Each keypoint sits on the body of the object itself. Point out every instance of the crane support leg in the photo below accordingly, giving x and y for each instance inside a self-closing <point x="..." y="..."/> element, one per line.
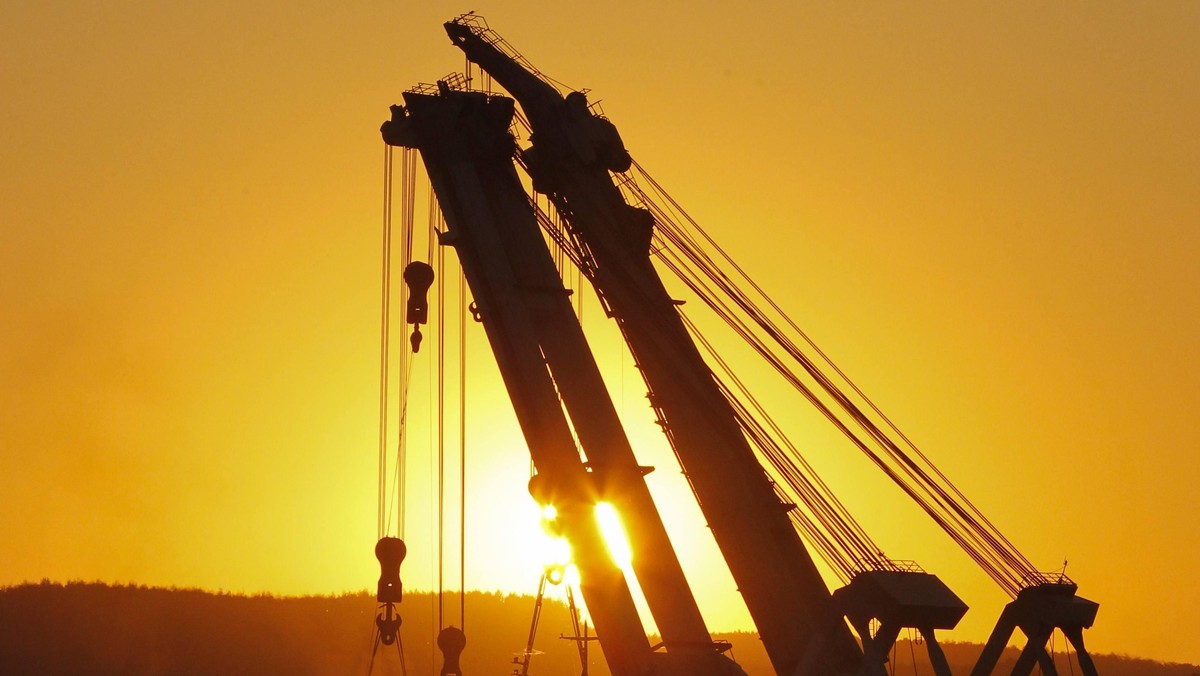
<point x="1034" y="653"/>
<point x="1046" y="662"/>
<point x="937" y="657"/>
<point x="876" y="649"/>
<point x="995" y="644"/>
<point x="1074" y="634"/>
<point x="810" y="663"/>
<point x="1039" y="610"/>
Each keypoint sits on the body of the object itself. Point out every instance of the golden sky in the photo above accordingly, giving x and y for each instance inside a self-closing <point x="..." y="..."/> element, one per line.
<point x="987" y="213"/>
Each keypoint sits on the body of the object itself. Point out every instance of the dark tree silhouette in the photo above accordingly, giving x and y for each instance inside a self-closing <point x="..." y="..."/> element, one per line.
<point x="52" y="629"/>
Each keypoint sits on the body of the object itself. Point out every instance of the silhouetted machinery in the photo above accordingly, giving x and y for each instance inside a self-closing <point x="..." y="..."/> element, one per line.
<point x="390" y="552"/>
<point x="765" y="507"/>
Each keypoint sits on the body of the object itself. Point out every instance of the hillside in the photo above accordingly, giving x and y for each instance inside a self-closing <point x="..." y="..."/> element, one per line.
<point x="87" y="628"/>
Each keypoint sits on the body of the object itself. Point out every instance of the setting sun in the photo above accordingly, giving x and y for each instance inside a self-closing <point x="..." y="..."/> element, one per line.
<point x="614" y="537"/>
<point x="554" y="550"/>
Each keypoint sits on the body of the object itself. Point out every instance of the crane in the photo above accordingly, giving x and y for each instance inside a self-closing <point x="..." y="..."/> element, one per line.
<point x="464" y="139"/>
<point x="538" y="343"/>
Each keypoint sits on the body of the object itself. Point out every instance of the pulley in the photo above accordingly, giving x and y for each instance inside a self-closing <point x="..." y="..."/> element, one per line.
<point x="390" y="552"/>
<point x="418" y="276"/>
<point x="555" y="573"/>
<point x="451" y="642"/>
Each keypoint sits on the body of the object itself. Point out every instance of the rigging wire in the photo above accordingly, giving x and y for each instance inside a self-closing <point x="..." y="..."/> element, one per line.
<point x="479" y="26"/>
<point x="383" y="509"/>
<point x="462" y="448"/>
<point x="395" y="493"/>
<point x="686" y="255"/>
<point x="441" y="428"/>
<point x="833" y="530"/>
<point x="436" y="229"/>
<point x="434" y="439"/>
<point x="827" y="524"/>
<point x="389" y="503"/>
<point x="746" y="332"/>
<point x="385" y="338"/>
<point x="375" y="651"/>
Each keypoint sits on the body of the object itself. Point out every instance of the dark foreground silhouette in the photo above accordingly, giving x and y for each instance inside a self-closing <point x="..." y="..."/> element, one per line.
<point x="88" y="628"/>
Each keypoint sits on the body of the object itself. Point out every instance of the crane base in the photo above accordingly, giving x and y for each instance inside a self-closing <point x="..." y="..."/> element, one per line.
<point x="898" y="600"/>
<point x="1037" y="611"/>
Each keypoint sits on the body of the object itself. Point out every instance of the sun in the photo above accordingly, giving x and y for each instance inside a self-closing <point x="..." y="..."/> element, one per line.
<point x="554" y="552"/>
<point x="614" y="536"/>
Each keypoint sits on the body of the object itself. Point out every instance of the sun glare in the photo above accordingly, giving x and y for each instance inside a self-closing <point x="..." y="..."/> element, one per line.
<point x="553" y="549"/>
<point x="614" y="536"/>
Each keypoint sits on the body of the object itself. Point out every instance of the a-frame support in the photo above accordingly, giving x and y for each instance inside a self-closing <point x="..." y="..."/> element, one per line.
<point x="1037" y="612"/>
<point x="898" y="599"/>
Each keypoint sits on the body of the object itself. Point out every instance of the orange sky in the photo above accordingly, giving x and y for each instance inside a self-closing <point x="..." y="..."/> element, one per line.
<point x="986" y="214"/>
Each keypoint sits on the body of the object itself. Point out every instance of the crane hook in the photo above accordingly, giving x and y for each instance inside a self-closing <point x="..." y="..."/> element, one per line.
<point x="390" y="552"/>
<point x="419" y="277"/>
<point x="451" y="642"/>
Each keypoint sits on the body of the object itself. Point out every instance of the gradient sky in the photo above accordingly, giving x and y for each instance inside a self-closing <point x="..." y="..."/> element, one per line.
<point x="987" y="213"/>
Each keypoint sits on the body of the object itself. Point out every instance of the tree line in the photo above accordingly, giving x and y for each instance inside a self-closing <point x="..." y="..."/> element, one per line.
<point x="47" y="629"/>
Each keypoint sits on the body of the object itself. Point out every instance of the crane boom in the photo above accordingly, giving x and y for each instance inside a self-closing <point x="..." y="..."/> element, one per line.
<point x="453" y="136"/>
<point x="543" y="356"/>
<point x="570" y="159"/>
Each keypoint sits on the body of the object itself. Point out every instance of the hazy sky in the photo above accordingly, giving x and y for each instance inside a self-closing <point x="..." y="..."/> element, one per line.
<point x="987" y="213"/>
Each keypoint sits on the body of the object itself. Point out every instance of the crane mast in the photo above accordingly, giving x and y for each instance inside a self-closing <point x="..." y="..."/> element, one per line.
<point x="543" y="355"/>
